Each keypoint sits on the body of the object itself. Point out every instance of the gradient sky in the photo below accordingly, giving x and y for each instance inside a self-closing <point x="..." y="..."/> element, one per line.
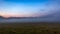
<point x="28" y="8"/>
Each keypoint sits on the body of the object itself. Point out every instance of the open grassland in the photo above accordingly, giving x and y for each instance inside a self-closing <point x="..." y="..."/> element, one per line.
<point x="30" y="28"/>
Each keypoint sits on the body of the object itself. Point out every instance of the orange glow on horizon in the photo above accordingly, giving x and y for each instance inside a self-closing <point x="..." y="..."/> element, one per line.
<point x="15" y="15"/>
<point x="7" y="15"/>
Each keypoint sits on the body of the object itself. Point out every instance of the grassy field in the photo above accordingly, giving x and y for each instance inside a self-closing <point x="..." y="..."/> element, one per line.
<point x="30" y="28"/>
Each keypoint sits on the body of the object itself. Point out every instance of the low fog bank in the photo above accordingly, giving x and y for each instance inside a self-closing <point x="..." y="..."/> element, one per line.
<point x="49" y="18"/>
<point x="30" y="20"/>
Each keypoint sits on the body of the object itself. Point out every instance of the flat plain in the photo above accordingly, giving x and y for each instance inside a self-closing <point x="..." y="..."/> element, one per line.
<point x="30" y="28"/>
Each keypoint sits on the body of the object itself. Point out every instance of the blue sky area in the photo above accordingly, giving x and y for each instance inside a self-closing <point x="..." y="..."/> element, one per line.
<point x="28" y="8"/>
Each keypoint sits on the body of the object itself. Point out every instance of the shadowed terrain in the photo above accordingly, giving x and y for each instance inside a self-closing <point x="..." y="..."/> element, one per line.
<point x="30" y="28"/>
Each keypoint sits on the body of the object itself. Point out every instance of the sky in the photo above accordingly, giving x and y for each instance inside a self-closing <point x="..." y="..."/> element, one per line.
<point x="28" y="8"/>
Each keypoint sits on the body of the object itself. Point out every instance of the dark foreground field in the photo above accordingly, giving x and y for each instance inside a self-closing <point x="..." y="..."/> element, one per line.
<point x="30" y="28"/>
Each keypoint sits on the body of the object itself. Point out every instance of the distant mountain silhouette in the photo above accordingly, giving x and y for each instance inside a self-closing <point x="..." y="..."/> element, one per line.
<point x="20" y="17"/>
<point x="55" y="17"/>
<point x="15" y="17"/>
<point x="1" y="17"/>
<point x="52" y="17"/>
